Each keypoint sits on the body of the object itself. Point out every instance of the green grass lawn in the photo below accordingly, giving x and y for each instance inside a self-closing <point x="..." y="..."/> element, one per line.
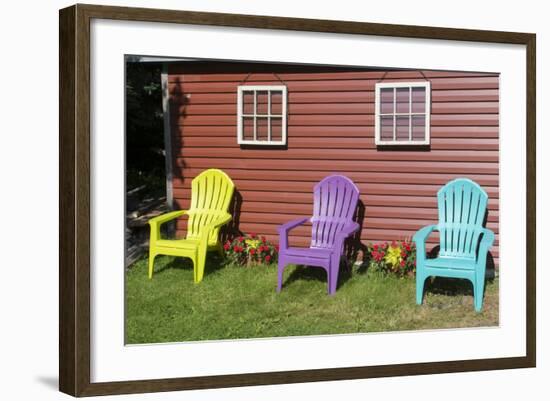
<point x="238" y="302"/>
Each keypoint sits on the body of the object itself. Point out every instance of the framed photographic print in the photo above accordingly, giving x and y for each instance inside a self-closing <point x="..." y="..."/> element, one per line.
<point x="312" y="200"/>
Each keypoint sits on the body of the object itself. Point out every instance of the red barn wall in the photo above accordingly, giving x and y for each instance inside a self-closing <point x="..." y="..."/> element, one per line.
<point x="331" y="130"/>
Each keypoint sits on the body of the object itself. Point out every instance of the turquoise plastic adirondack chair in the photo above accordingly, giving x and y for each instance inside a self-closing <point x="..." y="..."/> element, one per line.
<point x="464" y="242"/>
<point x="211" y="193"/>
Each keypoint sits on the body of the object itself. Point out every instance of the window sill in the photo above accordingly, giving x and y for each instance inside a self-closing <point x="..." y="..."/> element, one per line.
<point x="417" y="147"/>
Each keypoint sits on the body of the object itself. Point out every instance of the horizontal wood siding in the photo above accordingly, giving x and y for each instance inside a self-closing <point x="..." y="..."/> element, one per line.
<point x="331" y="130"/>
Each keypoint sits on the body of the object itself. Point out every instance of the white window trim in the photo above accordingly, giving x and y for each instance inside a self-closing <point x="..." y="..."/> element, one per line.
<point x="377" y="114"/>
<point x="240" y="115"/>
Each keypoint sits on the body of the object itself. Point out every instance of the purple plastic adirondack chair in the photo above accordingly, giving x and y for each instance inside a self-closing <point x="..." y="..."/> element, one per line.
<point x="335" y="200"/>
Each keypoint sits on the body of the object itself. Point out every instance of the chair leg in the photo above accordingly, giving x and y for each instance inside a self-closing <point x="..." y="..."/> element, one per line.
<point x="479" y="287"/>
<point x="333" y="271"/>
<point x="420" y="281"/>
<point x="280" y="271"/>
<point x="194" y="262"/>
<point x="198" y="267"/>
<point x="152" y="256"/>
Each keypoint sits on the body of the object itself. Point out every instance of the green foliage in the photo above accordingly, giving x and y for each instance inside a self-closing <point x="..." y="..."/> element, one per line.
<point x="145" y="159"/>
<point x="233" y="302"/>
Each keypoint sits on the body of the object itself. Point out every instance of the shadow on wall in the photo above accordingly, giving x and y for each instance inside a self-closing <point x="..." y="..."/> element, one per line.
<point x="231" y="229"/>
<point x="353" y="245"/>
<point x="176" y="100"/>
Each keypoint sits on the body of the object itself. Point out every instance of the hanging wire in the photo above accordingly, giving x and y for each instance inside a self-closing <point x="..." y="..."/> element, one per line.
<point x="249" y="74"/>
<point x="420" y="71"/>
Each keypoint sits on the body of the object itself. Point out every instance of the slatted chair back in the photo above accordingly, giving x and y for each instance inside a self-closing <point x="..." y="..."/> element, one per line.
<point x="462" y="205"/>
<point x="334" y="203"/>
<point x="211" y="193"/>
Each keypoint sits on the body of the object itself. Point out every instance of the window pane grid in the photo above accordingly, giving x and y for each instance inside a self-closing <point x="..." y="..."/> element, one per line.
<point x="255" y="119"/>
<point x="269" y="118"/>
<point x="258" y="111"/>
<point x="409" y="115"/>
<point x="394" y="111"/>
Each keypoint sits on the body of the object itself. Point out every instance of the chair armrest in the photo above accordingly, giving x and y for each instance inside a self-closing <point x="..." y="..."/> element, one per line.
<point x="487" y="239"/>
<point x="349" y="229"/>
<point x="157" y="221"/>
<point x="217" y="222"/>
<point x="420" y="238"/>
<point x="285" y="228"/>
<point x="163" y="218"/>
<point x="292" y="224"/>
<point x="346" y="231"/>
<point x="422" y="235"/>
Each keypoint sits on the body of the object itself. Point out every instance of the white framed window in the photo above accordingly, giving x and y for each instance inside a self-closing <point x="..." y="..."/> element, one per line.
<point x="261" y="114"/>
<point x="402" y="113"/>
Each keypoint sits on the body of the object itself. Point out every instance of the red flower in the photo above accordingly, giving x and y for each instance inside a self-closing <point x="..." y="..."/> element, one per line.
<point x="277" y="248"/>
<point x="241" y="239"/>
<point x="226" y="246"/>
<point x="252" y="251"/>
<point x="375" y="247"/>
<point x="267" y="258"/>
<point x="402" y="263"/>
<point x="377" y="255"/>
<point x="407" y="247"/>
<point x="236" y="248"/>
<point x="263" y="240"/>
<point x="403" y="254"/>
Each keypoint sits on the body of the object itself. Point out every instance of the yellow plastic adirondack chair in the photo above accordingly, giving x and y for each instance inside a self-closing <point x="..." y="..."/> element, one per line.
<point x="211" y="192"/>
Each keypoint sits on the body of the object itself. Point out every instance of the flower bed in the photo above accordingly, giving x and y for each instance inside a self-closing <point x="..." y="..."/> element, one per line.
<point x="397" y="257"/>
<point x="251" y="250"/>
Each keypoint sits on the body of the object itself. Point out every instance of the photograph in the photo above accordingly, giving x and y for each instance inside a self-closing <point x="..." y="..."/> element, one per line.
<point x="276" y="199"/>
<point x="245" y="200"/>
<point x="250" y="200"/>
